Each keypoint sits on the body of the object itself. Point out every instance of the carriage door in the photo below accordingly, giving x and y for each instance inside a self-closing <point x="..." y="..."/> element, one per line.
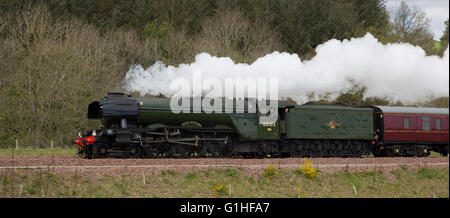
<point x="410" y="125"/>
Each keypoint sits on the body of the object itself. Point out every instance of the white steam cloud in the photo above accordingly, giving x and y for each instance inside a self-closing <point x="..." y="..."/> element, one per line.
<point x="399" y="71"/>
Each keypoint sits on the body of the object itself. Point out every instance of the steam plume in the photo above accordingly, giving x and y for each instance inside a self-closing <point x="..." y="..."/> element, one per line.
<point x="400" y="71"/>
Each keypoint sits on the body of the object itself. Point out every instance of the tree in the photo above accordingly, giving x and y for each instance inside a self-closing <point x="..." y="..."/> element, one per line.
<point x="371" y="14"/>
<point x="411" y="25"/>
<point x="444" y="39"/>
<point x="50" y="69"/>
<point x="441" y="102"/>
<point x="210" y="8"/>
<point x="229" y="33"/>
<point x="373" y="17"/>
<point x="376" y="101"/>
<point x="194" y="17"/>
<point x="352" y="97"/>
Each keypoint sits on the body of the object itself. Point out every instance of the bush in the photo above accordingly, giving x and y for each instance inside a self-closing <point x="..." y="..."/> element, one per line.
<point x="51" y="70"/>
<point x="270" y="172"/>
<point x="221" y="189"/>
<point x="307" y="169"/>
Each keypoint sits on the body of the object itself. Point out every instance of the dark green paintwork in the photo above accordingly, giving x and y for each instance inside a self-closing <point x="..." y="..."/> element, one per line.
<point x="312" y="121"/>
<point x="246" y="124"/>
<point x="305" y="121"/>
<point x="157" y="112"/>
<point x="269" y="131"/>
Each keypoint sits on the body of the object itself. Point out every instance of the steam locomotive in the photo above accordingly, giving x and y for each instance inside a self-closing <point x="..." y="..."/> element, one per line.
<point x="147" y="127"/>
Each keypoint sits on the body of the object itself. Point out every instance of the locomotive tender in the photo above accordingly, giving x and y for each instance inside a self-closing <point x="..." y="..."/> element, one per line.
<point x="146" y="127"/>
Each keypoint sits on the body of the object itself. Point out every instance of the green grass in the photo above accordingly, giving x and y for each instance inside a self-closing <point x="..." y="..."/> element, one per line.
<point x="435" y="154"/>
<point x="401" y="183"/>
<point x="41" y="151"/>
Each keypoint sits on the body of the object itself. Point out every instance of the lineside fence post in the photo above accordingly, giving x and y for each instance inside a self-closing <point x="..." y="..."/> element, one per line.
<point x="17" y="144"/>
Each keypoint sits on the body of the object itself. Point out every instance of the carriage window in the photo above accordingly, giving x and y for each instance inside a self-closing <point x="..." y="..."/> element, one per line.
<point x="438" y="124"/>
<point x="406" y="123"/>
<point x="426" y="123"/>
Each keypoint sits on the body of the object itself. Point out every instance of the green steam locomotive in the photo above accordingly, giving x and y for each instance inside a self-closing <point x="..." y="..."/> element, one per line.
<point x="147" y="127"/>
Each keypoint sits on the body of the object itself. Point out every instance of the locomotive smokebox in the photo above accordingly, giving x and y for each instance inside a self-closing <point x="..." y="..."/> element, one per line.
<point x="115" y="104"/>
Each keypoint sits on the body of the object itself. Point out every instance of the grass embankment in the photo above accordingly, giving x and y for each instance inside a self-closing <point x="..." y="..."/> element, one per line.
<point x="41" y="151"/>
<point x="402" y="182"/>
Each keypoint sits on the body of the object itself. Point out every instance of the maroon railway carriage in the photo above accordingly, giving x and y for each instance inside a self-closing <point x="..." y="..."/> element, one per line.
<point x="411" y="131"/>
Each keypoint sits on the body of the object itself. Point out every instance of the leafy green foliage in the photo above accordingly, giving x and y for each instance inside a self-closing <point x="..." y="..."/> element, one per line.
<point x="444" y="39"/>
<point x="154" y="31"/>
<point x="301" y="24"/>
